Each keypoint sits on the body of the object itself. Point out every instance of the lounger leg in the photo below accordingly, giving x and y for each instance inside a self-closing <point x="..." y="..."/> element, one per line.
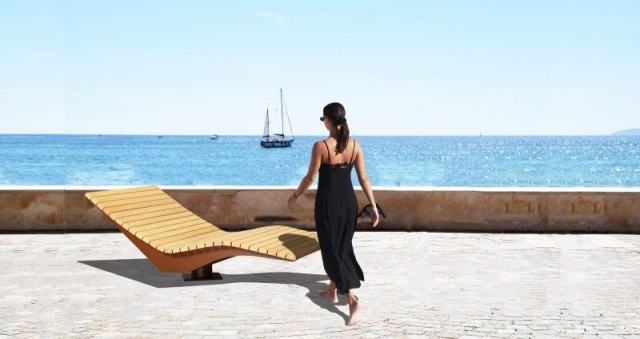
<point x="203" y="273"/>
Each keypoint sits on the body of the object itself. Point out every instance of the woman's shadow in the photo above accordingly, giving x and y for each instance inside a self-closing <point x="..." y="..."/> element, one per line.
<point x="143" y="271"/>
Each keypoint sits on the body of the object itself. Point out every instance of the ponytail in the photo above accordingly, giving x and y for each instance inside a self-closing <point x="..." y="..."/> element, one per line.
<point x="343" y="137"/>
<point x="336" y="112"/>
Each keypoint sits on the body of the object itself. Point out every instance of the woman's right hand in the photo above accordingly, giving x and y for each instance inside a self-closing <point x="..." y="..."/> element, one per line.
<point x="375" y="217"/>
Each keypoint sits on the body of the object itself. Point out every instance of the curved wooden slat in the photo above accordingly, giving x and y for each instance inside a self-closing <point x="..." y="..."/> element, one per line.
<point x="176" y="240"/>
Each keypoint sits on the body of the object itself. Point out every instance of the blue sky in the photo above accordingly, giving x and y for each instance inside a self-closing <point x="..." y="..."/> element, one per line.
<point x="400" y="68"/>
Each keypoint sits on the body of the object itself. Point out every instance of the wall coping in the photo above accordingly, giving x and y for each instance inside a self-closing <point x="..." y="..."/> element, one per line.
<point x="506" y="209"/>
<point x="375" y="188"/>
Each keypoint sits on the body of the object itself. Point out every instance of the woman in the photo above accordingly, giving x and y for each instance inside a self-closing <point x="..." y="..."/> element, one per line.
<point x="336" y="207"/>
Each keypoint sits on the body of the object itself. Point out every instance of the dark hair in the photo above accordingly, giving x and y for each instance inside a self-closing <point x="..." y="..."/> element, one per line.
<point x="336" y="113"/>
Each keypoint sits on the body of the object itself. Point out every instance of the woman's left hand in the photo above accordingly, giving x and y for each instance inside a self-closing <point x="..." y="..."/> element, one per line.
<point x="292" y="202"/>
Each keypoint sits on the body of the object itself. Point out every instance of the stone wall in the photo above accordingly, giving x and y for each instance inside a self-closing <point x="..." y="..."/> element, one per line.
<point x="50" y="208"/>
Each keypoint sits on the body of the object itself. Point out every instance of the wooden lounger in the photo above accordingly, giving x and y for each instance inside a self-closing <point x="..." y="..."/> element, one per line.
<point x="176" y="240"/>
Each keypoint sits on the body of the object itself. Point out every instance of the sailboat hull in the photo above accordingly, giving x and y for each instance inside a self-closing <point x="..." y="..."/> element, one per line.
<point x="274" y="143"/>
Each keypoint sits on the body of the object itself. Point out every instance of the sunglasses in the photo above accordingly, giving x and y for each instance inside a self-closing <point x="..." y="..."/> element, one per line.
<point x="322" y="118"/>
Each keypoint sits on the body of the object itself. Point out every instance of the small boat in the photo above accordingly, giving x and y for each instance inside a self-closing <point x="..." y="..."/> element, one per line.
<point x="214" y="137"/>
<point x="278" y="139"/>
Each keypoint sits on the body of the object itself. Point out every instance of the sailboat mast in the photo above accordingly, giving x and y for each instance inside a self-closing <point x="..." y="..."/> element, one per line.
<point x="281" y="114"/>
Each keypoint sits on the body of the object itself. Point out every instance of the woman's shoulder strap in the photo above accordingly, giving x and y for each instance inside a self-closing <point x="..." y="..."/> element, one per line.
<point x="328" y="151"/>
<point x="353" y="152"/>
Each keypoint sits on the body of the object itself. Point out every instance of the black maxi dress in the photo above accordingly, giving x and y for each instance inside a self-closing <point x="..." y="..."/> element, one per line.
<point x="335" y="215"/>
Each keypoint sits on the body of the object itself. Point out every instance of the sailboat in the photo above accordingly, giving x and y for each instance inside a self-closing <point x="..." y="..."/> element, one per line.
<point x="278" y="139"/>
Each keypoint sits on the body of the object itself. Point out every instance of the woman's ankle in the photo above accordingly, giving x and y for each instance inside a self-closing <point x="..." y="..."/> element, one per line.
<point x="351" y="297"/>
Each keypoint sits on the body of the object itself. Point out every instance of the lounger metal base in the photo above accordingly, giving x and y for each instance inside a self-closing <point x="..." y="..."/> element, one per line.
<point x="202" y="273"/>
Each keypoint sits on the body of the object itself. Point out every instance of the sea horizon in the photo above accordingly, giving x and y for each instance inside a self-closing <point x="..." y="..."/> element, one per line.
<point x="321" y="135"/>
<point x="391" y="161"/>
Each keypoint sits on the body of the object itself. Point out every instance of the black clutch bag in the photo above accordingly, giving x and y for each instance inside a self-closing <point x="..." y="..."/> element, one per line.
<point x="367" y="211"/>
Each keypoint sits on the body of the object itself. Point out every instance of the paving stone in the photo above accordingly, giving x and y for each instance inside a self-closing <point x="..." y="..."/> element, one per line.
<point x="418" y="284"/>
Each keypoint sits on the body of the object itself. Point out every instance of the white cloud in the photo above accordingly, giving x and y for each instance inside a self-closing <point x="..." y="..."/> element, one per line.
<point x="275" y="18"/>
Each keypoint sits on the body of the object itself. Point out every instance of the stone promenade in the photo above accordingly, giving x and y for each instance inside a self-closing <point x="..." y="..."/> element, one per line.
<point x="421" y="285"/>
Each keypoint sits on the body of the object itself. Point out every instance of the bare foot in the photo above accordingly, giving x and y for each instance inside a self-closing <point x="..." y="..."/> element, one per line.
<point x="333" y="297"/>
<point x="354" y="312"/>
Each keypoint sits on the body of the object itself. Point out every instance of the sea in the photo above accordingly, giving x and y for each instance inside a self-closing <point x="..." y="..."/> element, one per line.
<point x="391" y="161"/>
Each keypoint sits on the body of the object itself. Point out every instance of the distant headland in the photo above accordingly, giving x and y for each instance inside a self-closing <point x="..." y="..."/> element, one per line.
<point x="632" y="131"/>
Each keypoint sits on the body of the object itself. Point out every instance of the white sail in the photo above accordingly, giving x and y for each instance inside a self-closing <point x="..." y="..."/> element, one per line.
<point x="266" y="126"/>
